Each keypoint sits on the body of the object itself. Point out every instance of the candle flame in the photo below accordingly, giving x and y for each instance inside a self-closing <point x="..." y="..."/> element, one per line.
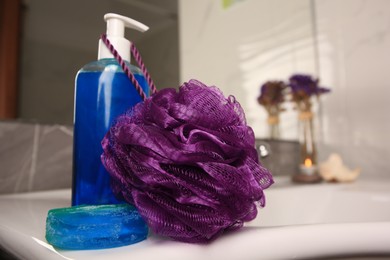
<point x="308" y="162"/>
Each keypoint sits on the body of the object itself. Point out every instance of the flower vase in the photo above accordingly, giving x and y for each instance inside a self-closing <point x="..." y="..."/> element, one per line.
<point x="308" y="170"/>
<point x="273" y="124"/>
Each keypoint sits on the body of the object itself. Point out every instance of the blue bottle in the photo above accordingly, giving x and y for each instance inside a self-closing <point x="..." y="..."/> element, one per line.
<point x="102" y="92"/>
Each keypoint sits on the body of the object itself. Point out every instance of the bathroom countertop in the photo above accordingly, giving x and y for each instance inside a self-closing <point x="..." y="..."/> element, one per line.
<point x="22" y="227"/>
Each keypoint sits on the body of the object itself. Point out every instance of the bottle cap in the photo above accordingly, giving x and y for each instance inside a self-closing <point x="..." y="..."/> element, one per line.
<point x="115" y="33"/>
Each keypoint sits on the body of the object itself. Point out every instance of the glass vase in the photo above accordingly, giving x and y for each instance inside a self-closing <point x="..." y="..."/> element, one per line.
<point x="308" y="170"/>
<point x="273" y="125"/>
<point x="307" y="139"/>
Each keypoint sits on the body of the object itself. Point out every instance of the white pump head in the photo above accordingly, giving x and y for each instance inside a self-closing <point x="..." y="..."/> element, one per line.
<point x="115" y="33"/>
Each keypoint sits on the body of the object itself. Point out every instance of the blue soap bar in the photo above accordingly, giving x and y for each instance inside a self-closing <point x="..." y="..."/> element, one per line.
<point x="95" y="227"/>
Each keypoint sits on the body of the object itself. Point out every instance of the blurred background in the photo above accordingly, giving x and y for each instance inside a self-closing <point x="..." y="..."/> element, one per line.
<point x="57" y="38"/>
<point x="236" y="45"/>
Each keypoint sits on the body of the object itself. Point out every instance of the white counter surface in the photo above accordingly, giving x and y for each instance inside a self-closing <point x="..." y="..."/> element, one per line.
<point x="299" y="221"/>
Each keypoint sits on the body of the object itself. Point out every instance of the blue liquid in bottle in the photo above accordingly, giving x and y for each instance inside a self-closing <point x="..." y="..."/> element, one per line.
<point x="103" y="92"/>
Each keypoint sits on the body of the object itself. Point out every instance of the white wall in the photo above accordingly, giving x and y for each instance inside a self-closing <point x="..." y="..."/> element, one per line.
<point x="346" y="43"/>
<point x="354" y="58"/>
<point x="240" y="47"/>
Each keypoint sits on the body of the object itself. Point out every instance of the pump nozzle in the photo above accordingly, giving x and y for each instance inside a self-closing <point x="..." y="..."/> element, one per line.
<point x="115" y="33"/>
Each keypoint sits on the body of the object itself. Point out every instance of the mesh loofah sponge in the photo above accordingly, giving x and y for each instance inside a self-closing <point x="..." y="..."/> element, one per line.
<point x="187" y="161"/>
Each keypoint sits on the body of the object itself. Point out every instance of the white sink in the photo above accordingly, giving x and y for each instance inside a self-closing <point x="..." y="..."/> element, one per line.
<point x="362" y="201"/>
<point x="299" y="221"/>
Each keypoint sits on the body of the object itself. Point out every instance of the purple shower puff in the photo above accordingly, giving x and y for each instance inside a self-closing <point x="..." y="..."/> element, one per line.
<point x="187" y="161"/>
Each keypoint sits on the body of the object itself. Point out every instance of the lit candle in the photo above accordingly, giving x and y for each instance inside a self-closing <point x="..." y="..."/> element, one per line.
<point x="308" y="168"/>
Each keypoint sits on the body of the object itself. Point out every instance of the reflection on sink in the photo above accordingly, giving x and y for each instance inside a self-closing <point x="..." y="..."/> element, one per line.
<point x="299" y="221"/>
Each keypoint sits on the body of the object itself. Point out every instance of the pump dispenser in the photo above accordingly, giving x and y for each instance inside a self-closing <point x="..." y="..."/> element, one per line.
<point x="102" y="93"/>
<point x="115" y="33"/>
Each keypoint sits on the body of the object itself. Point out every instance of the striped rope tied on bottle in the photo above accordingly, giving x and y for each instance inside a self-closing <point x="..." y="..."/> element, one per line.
<point x="138" y="59"/>
<point x="127" y="70"/>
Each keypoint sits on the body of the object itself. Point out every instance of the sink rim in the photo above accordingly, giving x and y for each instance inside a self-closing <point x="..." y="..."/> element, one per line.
<point x="330" y="239"/>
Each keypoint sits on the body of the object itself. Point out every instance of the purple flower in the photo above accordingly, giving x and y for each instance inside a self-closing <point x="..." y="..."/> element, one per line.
<point x="187" y="161"/>
<point x="271" y="93"/>
<point x="304" y="86"/>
